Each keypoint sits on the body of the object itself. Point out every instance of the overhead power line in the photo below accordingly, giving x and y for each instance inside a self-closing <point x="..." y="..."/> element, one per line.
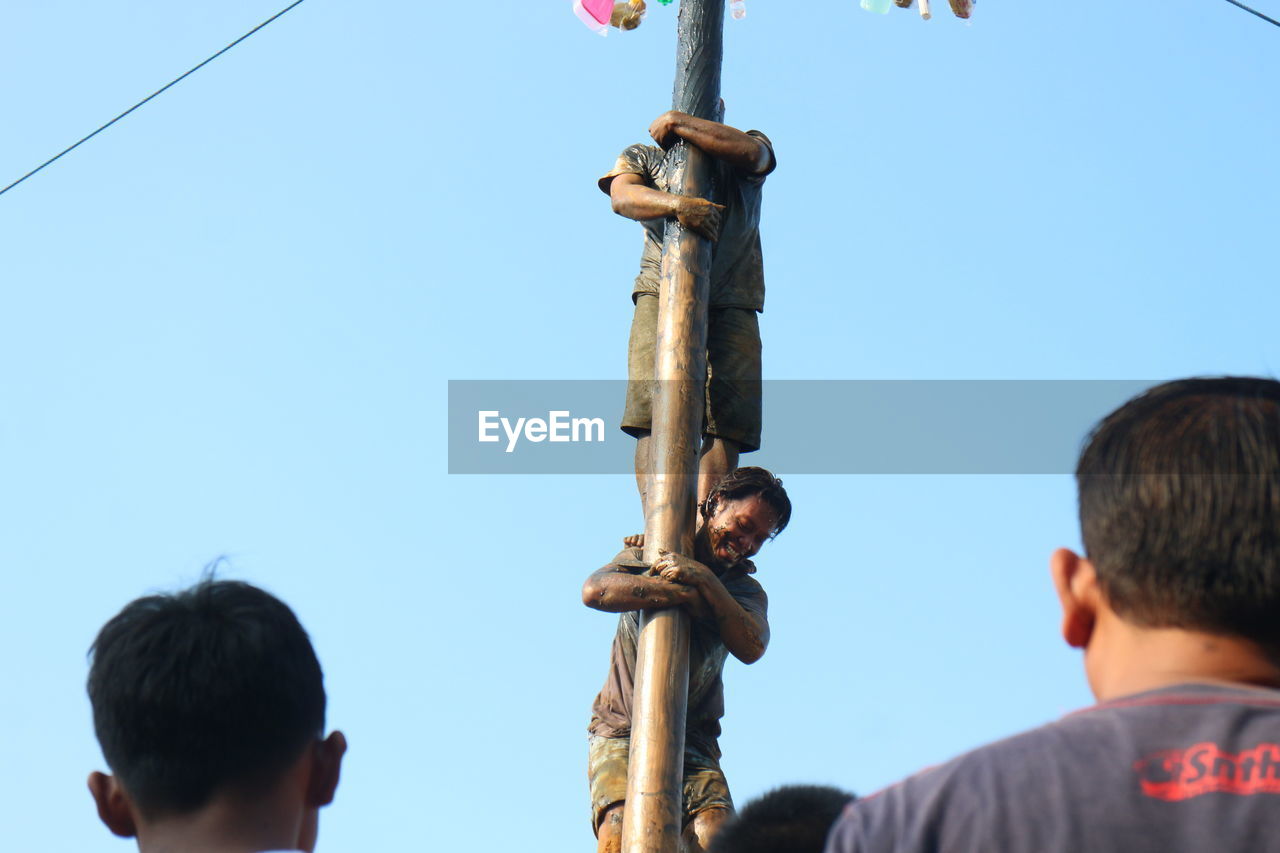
<point x="164" y="88"/>
<point x="1254" y="12"/>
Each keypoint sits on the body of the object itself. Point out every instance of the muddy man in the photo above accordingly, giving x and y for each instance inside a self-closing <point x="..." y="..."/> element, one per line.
<point x="728" y="614"/>
<point x="639" y="187"/>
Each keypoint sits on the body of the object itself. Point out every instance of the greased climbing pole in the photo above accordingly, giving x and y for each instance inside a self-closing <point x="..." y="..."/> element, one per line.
<point x="652" y="820"/>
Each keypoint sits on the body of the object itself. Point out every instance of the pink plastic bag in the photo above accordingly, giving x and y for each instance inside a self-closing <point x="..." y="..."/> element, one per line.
<point x="594" y="13"/>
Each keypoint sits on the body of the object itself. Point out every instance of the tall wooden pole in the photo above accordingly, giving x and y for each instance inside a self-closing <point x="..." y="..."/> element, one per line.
<point x="652" y="819"/>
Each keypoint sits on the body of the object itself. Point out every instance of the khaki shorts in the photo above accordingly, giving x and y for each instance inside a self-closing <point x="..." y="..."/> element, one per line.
<point x="704" y="783"/>
<point x="733" y="373"/>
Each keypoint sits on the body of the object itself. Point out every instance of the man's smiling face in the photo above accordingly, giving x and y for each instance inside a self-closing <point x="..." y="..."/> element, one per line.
<point x="738" y="528"/>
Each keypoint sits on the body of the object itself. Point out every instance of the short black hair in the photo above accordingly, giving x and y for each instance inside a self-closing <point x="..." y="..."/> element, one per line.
<point x="744" y="482"/>
<point x="1180" y="507"/>
<point x="216" y="686"/>
<point x="788" y="819"/>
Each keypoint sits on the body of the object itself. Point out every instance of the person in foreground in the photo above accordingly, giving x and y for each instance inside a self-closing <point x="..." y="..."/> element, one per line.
<point x="728" y="610"/>
<point x="209" y="707"/>
<point x="1176" y="606"/>
<point x="788" y="819"/>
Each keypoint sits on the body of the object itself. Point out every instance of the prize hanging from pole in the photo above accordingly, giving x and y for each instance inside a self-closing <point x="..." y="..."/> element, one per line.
<point x="959" y="8"/>
<point x="600" y="15"/>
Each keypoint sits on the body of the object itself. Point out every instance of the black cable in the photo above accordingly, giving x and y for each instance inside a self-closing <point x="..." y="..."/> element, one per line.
<point x="171" y="83"/>
<point x="1254" y="12"/>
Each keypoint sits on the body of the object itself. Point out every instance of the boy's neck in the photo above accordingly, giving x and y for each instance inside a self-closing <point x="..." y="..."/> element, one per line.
<point x="1123" y="659"/>
<point x="225" y="825"/>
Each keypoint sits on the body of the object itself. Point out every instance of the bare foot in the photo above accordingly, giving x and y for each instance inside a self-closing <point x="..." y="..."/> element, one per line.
<point x="635" y="540"/>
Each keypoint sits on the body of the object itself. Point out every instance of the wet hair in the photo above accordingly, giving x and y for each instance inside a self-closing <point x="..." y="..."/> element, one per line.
<point x="211" y="688"/>
<point x="744" y="482"/>
<point x="789" y="819"/>
<point x="1180" y="507"/>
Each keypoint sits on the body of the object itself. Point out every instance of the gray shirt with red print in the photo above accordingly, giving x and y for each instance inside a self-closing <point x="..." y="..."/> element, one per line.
<point x="1182" y="769"/>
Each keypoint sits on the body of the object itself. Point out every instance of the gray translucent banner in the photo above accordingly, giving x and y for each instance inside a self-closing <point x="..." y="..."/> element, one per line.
<point x="810" y="426"/>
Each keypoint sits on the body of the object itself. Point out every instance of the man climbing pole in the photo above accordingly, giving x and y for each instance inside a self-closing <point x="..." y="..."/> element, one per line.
<point x="639" y="188"/>
<point x="658" y="677"/>
<point x="728" y="609"/>
<point x="684" y="443"/>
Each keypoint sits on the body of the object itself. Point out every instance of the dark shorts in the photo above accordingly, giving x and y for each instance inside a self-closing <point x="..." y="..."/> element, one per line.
<point x="704" y="783"/>
<point x="733" y="373"/>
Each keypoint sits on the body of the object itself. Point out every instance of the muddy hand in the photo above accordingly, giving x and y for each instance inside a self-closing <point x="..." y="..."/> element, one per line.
<point x="664" y="128"/>
<point x="677" y="569"/>
<point x="700" y="216"/>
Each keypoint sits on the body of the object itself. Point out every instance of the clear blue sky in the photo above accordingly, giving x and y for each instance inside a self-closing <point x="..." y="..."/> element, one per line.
<point x="227" y="326"/>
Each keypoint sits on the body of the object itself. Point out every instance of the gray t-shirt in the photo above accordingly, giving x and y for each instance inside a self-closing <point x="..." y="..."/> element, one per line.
<point x="737" y="266"/>
<point x="611" y="712"/>
<point x="1187" y="769"/>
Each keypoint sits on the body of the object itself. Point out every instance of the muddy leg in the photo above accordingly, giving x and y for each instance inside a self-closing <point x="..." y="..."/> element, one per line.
<point x="642" y="471"/>
<point x="705" y="824"/>
<point x="719" y="457"/>
<point x="609" y="836"/>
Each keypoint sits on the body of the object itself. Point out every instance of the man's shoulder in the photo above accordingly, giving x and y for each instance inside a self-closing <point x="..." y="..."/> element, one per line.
<point x="1004" y="757"/>
<point x="954" y="799"/>
<point x="759" y="134"/>
<point x="1098" y="727"/>
<point x="638" y="159"/>
<point x="1085" y="772"/>
<point x="1027" y="751"/>
<point x="642" y="149"/>
<point x="644" y="159"/>
<point x="773" y="157"/>
<point x="744" y="588"/>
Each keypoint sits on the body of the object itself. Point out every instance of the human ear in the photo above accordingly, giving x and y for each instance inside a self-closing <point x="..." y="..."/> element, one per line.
<point x="325" y="769"/>
<point x="114" y="808"/>
<point x="1076" y="583"/>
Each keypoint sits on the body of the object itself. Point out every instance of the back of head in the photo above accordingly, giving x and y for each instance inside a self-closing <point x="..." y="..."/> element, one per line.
<point x="1180" y="507"/>
<point x="214" y="687"/>
<point x="789" y="819"/>
<point x="746" y="481"/>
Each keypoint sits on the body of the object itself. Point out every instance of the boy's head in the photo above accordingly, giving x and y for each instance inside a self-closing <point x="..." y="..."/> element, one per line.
<point x="745" y="482"/>
<point x="214" y="691"/>
<point x="1180" y="507"/>
<point x="745" y="509"/>
<point x="789" y="819"/>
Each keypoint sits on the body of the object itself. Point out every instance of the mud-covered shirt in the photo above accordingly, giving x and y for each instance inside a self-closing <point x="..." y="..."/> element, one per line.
<point x="737" y="266"/>
<point x="611" y="713"/>
<point x="1187" y="769"/>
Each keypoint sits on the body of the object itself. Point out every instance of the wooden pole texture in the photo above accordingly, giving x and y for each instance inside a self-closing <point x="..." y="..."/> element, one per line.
<point x="652" y="818"/>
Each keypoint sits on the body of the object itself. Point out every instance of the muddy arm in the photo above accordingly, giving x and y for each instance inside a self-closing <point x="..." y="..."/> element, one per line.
<point x="745" y="632"/>
<point x="614" y="590"/>
<point x="742" y="151"/>
<point x="632" y="198"/>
